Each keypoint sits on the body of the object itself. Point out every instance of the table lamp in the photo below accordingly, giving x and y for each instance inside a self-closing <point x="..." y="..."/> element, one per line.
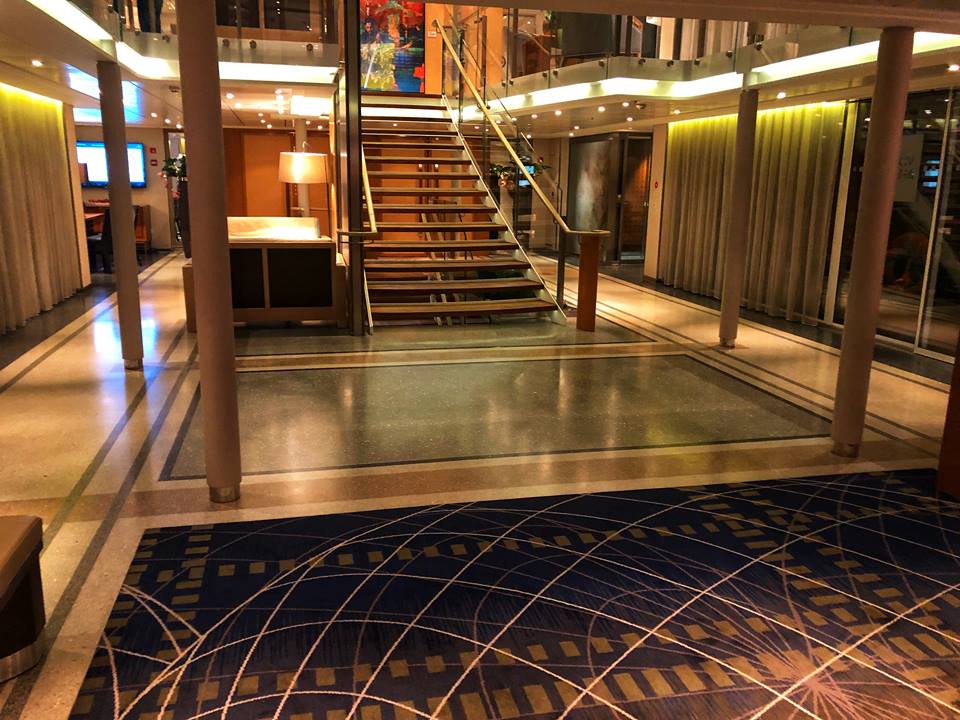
<point x="303" y="169"/>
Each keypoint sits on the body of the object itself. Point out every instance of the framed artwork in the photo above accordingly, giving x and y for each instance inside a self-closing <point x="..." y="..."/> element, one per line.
<point x="392" y="46"/>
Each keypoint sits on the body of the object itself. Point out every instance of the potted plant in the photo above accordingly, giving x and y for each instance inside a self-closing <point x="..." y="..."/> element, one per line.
<point x="174" y="174"/>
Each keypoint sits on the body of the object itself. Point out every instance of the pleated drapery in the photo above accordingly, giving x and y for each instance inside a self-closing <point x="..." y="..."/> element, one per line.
<point x="794" y="187"/>
<point x="38" y="241"/>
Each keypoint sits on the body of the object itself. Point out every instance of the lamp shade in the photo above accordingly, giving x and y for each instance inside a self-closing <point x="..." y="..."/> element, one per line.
<point x="303" y="168"/>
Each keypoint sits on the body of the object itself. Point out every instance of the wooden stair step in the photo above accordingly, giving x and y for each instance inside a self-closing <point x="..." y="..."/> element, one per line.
<point x="436" y="208"/>
<point x="366" y="102"/>
<point x="418" y="174"/>
<point x="444" y="265"/>
<point x="397" y="311"/>
<point x="396" y="144"/>
<point x="402" y="132"/>
<point x="439" y="245"/>
<point x="407" y="160"/>
<point x="419" y="287"/>
<point x="405" y="119"/>
<point x="438" y="192"/>
<point x="440" y="226"/>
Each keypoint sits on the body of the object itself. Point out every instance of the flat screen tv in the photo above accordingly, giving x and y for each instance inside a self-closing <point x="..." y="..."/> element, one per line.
<point x="93" y="163"/>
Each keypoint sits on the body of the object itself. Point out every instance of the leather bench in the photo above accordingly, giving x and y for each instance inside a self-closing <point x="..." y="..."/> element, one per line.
<point x="22" y="616"/>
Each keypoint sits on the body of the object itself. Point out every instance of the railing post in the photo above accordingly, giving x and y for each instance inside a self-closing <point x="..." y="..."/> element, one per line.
<point x="587" y="280"/>
<point x="354" y="150"/>
<point x="460" y="89"/>
<point x="561" y="266"/>
<point x="443" y="69"/>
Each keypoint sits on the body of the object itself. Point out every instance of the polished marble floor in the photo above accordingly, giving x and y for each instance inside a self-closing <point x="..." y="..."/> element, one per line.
<point x="498" y="333"/>
<point x="85" y="445"/>
<point x="491" y="409"/>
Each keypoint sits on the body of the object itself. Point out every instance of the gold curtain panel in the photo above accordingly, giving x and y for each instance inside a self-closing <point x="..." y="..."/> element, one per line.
<point x="794" y="187"/>
<point x="39" y="266"/>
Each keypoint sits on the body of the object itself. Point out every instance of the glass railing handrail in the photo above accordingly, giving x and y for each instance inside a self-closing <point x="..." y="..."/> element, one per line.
<point x="511" y="151"/>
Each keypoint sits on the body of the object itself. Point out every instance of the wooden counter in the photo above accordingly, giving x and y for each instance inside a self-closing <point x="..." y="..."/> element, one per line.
<point x="291" y="278"/>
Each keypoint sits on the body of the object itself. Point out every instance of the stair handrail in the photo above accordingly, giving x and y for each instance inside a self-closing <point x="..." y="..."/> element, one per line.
<point x="481" y="103"/>
<point x="367" y="194"/>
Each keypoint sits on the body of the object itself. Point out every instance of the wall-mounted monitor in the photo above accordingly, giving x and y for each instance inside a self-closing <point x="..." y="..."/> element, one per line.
<point x="93" y="164"/>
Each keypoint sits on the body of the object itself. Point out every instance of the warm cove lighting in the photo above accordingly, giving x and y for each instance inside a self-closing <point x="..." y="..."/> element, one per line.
<point x="268" y="72"/>
<point x="781" y="110"/>
<point x="156" y="68"/>
<point x="70" y="16"/>
<point x="923" y="42"/>
<point x="616" y="86"/>
<point x="303" y="168"/>
<point x="13" y="90"/>
<point x="311" y="106"/>
<point x="151" y="68"/>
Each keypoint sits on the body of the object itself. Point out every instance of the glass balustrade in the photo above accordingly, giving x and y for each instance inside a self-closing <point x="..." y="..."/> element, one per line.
<point x="530" y="217"/>
<point x="252" y="31"/>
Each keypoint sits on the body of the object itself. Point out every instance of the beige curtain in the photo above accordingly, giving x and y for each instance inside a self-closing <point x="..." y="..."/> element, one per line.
<point x="38" y="242"/>
<point x="794" y="186"/>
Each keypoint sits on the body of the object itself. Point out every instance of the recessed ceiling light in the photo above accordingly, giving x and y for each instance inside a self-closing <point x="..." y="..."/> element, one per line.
<point x="576" y="127"/>
<point x="37" y="63"/>
<point x="529" y="136"/>
<point x="230" y="96"/>
<point x="953" y="67"/>
<point x="625" y="104"/>
<point x="676" y="112"/>
<point x="394" y="124"/>
<point x="179" y="126"/>
<point x="238" y="106"/>
<point x="571" y="134"/>
<point x="259" y="114"/>
<point x="601" y="109"/>
<point x="558" y="112"/>
<point x="263" y="122"/>
<point x="928" y="111"/>
<point x="781" y="95"/>
<point x="167" y="120"/>
<point x="534" y="116"/>
<point x="153" y="115"/>
<point x="278" y="92"/>
<point x="629" y="119"/>
<point x="269" y="127"/>
<point x="308" y="122"/>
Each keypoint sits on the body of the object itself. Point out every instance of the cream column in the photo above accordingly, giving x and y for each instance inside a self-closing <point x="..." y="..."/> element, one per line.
<point x="303" y="189"/>
<point x="121" y="215"/>
<point x="741" y="196"/>
<point x="880" y="169"/>
<point x="200" y="81"/>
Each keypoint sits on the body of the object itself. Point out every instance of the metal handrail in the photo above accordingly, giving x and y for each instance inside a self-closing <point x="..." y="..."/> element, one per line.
<point x="366" y="191"/>
<point x="481" y="103"/>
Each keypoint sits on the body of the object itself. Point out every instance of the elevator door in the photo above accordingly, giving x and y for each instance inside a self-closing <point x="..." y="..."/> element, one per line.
<point x="635" y="198"/>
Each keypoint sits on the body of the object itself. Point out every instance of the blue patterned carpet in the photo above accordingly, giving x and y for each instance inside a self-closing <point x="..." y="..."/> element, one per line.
<point x="823" y="598"/>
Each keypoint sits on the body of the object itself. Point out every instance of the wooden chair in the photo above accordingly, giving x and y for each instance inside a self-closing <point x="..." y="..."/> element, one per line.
<point x="102" y="244"/>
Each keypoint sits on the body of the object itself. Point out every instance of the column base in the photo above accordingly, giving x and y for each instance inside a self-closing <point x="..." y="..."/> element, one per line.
<point x="133" y="364"/>
<point x="729" y="343"/>
<point x="23" y="659"/>
<point x="847" y="450"/>
<point x="225" y="494"/>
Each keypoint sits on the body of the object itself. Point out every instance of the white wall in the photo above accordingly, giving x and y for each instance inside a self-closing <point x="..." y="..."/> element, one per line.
<point x="155" y="193"/>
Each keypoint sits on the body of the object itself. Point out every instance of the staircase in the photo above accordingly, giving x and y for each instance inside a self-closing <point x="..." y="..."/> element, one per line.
<point x="443" y="249"/>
